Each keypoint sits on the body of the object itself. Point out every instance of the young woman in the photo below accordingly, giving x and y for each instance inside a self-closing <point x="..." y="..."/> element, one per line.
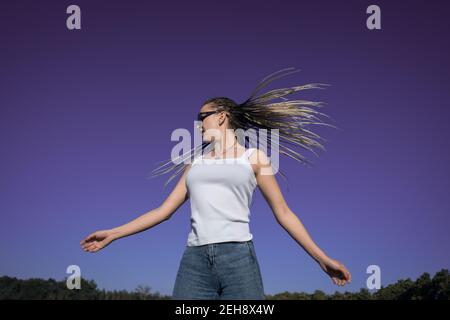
<point x="220" y="261"/>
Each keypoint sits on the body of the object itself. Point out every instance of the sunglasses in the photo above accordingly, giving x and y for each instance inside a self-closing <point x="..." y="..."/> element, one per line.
<point x="202" y="115"/>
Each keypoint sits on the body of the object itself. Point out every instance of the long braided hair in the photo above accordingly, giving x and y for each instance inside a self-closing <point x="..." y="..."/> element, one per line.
<point x="290" y="117"/>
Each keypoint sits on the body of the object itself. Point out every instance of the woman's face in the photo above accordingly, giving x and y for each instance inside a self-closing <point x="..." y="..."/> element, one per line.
<point x="210" y="125"/>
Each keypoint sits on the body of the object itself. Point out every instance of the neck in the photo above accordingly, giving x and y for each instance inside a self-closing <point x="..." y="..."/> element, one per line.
<point x="225" y="143"/>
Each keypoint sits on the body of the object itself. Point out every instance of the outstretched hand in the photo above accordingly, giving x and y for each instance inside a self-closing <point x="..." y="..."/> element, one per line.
<point x="337" y="271"/>
<point x="97" y="240"/>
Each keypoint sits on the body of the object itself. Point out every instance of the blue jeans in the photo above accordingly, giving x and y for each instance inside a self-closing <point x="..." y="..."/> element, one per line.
<point x="225" y="270"/>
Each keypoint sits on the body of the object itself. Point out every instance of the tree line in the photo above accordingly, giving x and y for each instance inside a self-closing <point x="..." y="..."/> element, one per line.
<point x="424" y="287"/>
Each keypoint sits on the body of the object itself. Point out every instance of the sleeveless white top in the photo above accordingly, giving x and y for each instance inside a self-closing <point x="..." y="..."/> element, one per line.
<point x="221" y="193"/>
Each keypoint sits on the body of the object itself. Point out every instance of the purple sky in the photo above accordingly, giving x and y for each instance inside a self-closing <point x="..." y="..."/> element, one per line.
<point x="85" y="116"/>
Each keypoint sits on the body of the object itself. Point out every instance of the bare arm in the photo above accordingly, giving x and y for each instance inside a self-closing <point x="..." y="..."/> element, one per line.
<point x="154" y="217"/>
<point x="176" y="198"/>
<point x="290" y="222"/>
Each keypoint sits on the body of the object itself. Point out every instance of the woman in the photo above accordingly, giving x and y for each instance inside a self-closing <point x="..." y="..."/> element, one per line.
<point x="219" y="261"/>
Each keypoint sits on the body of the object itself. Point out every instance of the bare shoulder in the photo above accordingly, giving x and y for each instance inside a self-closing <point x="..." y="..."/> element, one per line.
<point x="259" y="157"/>
<point x="187" y="167"/>
<point x="260" y="162"/>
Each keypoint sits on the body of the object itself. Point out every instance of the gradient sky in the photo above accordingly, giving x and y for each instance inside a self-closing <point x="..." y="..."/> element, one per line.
<point x="85" y="116"/>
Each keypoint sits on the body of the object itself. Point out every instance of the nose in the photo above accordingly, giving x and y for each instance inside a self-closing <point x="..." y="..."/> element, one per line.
<point x="199" y="126"/>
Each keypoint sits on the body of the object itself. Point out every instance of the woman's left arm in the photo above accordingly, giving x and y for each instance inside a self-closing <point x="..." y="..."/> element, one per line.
<point x="290" y="222"/>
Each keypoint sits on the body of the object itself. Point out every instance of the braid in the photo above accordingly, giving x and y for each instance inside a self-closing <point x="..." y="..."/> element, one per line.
<point x="290" y="117"/>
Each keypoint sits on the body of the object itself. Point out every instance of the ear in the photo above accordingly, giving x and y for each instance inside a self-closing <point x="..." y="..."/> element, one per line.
<point x="222" y="117"/>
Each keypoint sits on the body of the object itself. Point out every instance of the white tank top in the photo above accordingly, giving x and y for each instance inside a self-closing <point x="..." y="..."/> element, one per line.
<point x="221" y="193"/>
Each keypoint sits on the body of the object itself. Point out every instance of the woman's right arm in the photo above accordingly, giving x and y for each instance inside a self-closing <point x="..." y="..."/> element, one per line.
<point x="100" y="239"/>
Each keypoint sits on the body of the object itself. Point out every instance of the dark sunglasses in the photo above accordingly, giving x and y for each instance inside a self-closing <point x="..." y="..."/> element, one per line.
<point x="202" y="115"/>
